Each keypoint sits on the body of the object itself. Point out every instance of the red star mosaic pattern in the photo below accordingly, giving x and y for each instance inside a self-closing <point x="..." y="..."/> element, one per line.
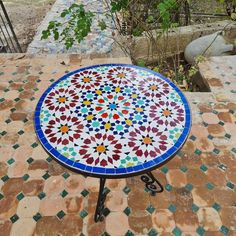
<point x="86" y="80"/>
<point x="100" y="149"/>
<point x="61" y="99"/>
<point x="63" y="130"/>
<point x="167" y="113"/>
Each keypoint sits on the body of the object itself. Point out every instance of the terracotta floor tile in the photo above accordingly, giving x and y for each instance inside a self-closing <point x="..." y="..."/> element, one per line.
<point x="140" y="224"/>
<point x="13" y="186"/>
<point x="228" y="217"/>
<point x="75" y="184"/>
<point x="28" y="207"/>
<point x="54" y="186"/>
<point x="209" y="219"/>
<point x="51" y="206"/>
<point x="95" y="229"/>
<point x="92" y="184"/>
<point x="140" y="202"/>
<point x="210" y="118"/>
<point x="227" y="158"/>
<point x="3" y="169"/>
<point x="25" y="226"/>
<point x="163" y="220"/>
<point x="210" y="159"/>
<point x="116" y="201"/>
<point x="201" y="197"/>
<point x="216" y="130"/>
<point x="162" y="200"/>
<point x="196" y="177"/>
<point x="8" y="206"/>
<point x="225" y="116"/>
<point x="186" y="221"/>
<point x="216" y="176"/>
<point x="117" y="227"/>
<point x="176" y="178"/>
<point x="51" y="225"/>
<point x="199" y="131"/>
<point x="231" y="176"/>
<point x="5" y="227"/>
<point x="74" y="205"/>
<point x="17" y="169"/>
<point x="54" y="168"/>
<point x="116" y="184"/>
<point x="224" y="196"/>
<point x="33" y="187"/>
<point x="184" y="198"/>
<point x="204" y="144"/>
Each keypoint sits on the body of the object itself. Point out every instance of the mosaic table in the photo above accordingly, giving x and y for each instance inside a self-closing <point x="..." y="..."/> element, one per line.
<point x="113" y="121"/>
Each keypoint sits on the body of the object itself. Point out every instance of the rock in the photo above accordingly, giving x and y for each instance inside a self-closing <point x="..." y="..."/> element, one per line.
<point x="210" y="45"/>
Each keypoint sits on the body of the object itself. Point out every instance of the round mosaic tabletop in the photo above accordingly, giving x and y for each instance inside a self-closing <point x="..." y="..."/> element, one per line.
<point x="112" y="120"/>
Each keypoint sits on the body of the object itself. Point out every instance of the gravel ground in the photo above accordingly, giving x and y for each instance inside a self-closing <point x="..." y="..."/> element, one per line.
<point x="26" y="16"/>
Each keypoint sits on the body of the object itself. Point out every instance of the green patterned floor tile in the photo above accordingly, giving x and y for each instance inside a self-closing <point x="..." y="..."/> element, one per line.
<point x="30" y="160"/>
<point x="5" y="178"/>
<point x="230" y="185"/>
<point x="216" y="151"/>
<point x="14" y="218"/>
<point x="168" y="187"/>
<point x="21" y="132"/>
<point x="65" y="175"/>
<point x="46" y="176"/>
<point x="129" y="233"/>
<point x="16" y="146"/>
<point x="64" y="193"/>
<point x="20" y="196"/>
<point x="150" y="209"/>
<point x="198" y="152"/>
<point x="224" y="230"/>
<point x="126" y="190"/>
<point x="41" y="195"/>
<point x="203" y="168"/>
<point x="177" y="231"/>
<point x="172" y="208"/>
<point x="184" y="169"/>
<point x="127" y="211"/>
<point x="34" y="145"/>
<point x="195" y="208"/>
<point x="189" y="187"/>
<point x="152" y="232"/>
<point x="210" y="186"/>
<point x="83" y="214"/>
<point x="37" y="217"/>
<point x="10" y="161"/>
<point x="61" y="214"/>
<point x="216" y="206"/>
<point x="84" y="193"/>
<point x="201" y="231"/>
<point x="25" y="177"/>
<point x="164" y="169"/>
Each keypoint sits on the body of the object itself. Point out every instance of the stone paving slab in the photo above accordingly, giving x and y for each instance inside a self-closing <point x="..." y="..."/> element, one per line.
<point x="40" y="197"/>
<point x="96" y="42"/>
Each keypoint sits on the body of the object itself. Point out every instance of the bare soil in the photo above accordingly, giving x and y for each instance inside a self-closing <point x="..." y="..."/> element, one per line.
<point x="26" y="16"/>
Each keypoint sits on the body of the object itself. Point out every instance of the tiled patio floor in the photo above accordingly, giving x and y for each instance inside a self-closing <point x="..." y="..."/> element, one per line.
<point x="39" y="197"/>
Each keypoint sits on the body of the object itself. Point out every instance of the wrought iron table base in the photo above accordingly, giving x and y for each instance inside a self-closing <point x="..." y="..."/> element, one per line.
<point x="151" y="183"/>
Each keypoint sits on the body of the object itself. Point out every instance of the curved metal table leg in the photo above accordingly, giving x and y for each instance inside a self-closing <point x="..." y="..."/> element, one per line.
<point x="152" y="184"/>
<point x="101" y="201"/>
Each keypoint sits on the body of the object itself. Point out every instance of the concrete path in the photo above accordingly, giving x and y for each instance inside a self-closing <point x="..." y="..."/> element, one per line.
<point x="96" y="42"/>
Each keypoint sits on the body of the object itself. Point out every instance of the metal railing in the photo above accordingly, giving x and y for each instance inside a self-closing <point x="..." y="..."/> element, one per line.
<point x="8" y="40"/>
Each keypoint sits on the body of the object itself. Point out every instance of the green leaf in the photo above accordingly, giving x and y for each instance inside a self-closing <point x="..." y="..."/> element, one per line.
<point x="102" y="24"/>
<point x="56" y="34"/>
